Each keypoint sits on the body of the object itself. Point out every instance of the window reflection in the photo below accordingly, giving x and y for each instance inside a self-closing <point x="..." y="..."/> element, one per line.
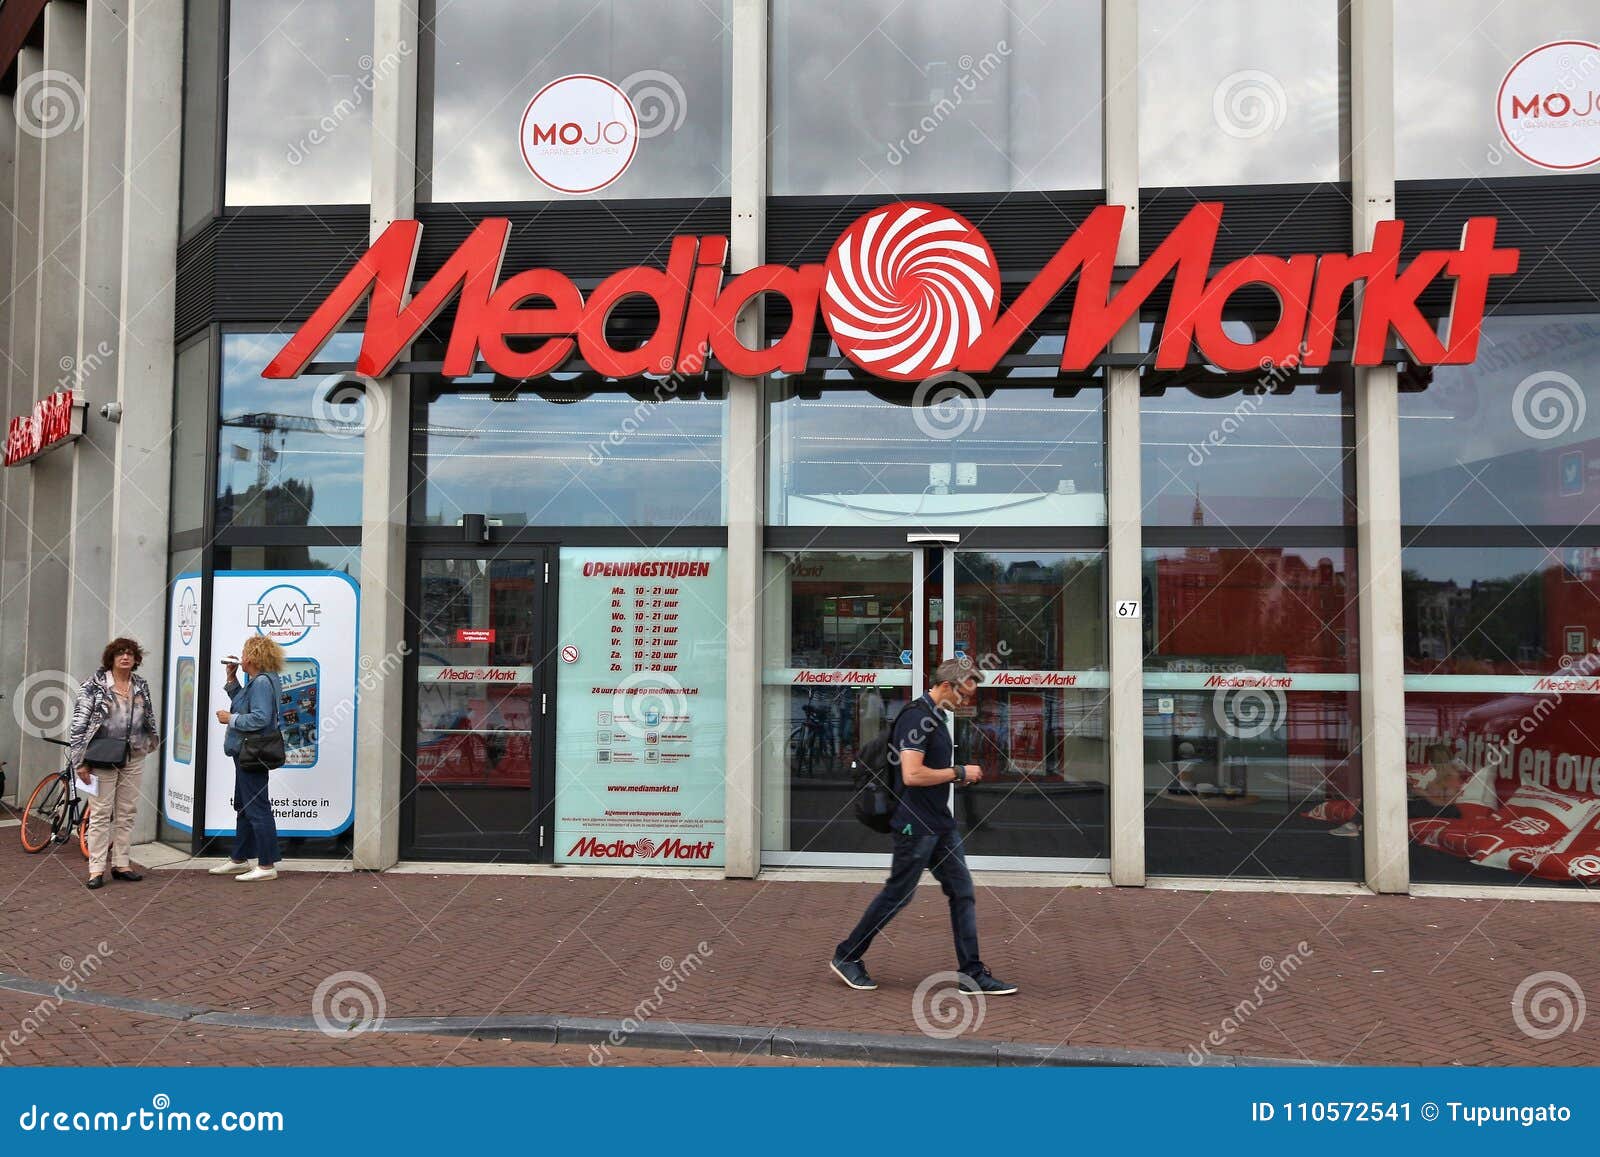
<point x="300" y="83"/>
<point x="846" y="455"/>
<point x="935" y="96"/>
<point x="672" y="59"/>
<point x="1238" y="92"/>
<point x="1504" y="441"/>
<point x="289" y="451"/>
<point x="640" y="454"/>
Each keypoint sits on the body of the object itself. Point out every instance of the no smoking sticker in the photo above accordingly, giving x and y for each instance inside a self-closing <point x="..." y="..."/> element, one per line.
<point x="569" y="654"/>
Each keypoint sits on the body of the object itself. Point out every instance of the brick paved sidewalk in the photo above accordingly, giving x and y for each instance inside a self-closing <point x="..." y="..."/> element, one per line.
<point x="1383" y="980"/>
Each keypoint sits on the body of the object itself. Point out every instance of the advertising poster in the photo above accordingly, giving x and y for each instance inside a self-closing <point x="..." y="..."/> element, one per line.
<point x="641" y="691"/>
<point x="313" y="616"/>
<point x="183" y="645"/>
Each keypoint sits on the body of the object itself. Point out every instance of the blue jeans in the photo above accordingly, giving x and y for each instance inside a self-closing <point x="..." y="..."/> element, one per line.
<point x="942" y="853"/>
<point x="256" y="831"/>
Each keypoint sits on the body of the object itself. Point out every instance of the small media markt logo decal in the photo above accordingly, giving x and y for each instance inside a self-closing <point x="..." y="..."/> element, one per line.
<point x="1548" y="106"/>
<point x="579" y="133"/>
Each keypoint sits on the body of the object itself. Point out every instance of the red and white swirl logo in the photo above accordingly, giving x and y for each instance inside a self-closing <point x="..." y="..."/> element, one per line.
<point x="910" y="287"/>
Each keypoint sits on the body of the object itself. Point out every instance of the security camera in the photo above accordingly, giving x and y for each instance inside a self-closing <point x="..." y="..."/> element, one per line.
<point x="111" y="411"/>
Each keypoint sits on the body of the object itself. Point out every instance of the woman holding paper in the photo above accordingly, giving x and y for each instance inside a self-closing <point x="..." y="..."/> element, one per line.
<point x="113" y="729"/>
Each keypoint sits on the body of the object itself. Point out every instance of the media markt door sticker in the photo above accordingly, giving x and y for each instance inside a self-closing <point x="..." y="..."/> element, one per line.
<point x="641" y="706"/>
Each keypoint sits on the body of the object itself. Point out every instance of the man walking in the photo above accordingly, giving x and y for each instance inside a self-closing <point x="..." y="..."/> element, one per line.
<point x="925" y="833"/>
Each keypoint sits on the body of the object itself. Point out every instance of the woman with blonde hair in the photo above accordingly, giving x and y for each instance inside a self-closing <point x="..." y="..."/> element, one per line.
<point x="252" y="723"/>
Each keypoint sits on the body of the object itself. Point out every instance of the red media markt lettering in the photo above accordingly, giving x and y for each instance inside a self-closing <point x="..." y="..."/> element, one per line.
<point x="910" y="260"/>
<point x="619" y="849"/>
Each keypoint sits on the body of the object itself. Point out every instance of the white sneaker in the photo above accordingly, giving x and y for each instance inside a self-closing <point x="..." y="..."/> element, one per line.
<point x="255" y="874"/>
<point x="1347" y="831"/>
<point x="231" y="868"/>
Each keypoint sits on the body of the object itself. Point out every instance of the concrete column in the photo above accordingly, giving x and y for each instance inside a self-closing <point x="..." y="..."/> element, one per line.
<point x="56" y="110"/>
<point x="1124" y="513"/>
<point x="1377" y="404"/>
<point x="22" y="308"/>
<point x="383" y="480"/>
<point x="94" y="367"/>
<point x="746" y="476"/>
<point x="145" y="356"/>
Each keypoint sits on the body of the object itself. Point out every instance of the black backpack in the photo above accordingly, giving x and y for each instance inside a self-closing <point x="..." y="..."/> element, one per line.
<point x="877" y="781"/>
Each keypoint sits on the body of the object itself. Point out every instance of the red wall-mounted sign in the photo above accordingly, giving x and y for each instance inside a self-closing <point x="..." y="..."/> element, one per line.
<point x="908" y="291"/>
<point x="474" y="634"/>
<point x="56" y="419"/>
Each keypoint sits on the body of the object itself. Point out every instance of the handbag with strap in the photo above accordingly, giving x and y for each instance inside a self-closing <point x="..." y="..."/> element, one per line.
<point x="111" y="751"/>
<point x="263" y="750"/>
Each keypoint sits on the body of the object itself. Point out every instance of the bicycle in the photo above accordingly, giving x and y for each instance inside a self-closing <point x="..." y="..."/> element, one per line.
<point x="55" y="811"/>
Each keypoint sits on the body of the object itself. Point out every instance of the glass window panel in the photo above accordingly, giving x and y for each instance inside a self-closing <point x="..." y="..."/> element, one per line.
<point x="300" y="78"/>
<point x="1238" y="92"/>
<point x="673" y="59"/>
<point x="345" y="559"/>
<point x="890" y="96"/>
<point x="1500" y="611"/>
<point x="289" y="452"/>
<point x="571" y="458"/>
<point x="191" y="437"/>
<point x="1240" y="455"/>
<point x="1509" y="440"/>
<point x="846" y="455"/>
<point x="202" y="104"/>
<point x="1450" y="57"/>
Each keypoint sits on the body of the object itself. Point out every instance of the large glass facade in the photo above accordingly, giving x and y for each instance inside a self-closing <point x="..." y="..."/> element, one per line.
<point x="289" y="451"/>
<point x="1446" y="125"/>
<point x="1238" y="92"/>
<point x="300" y="83"/>
<point x="886" y="96"/>
<point x="675" y="66"/>
<point x="625" y="454"/>
<point x="1000" y="452"/>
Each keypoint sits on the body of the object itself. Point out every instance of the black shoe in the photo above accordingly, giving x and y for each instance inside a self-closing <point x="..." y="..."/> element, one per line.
<point x="853" y="973"/>
<point x="96" y="882"/>
<point x="986" y="983"/>
<point x="126" y="874"/>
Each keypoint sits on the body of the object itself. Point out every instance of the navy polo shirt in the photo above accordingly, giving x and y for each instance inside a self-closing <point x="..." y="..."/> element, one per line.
<point x="921" y="727"/>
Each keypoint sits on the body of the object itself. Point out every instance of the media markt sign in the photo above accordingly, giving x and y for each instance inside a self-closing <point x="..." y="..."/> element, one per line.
<point x="1548" y="105"/>
<point x="579" y="134"/>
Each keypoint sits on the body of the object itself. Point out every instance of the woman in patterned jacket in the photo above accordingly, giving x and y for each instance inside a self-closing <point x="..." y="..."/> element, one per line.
<point x="116" y="702"/>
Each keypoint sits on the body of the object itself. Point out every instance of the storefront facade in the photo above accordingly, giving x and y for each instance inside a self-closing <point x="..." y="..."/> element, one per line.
<point x="616" y="431"/>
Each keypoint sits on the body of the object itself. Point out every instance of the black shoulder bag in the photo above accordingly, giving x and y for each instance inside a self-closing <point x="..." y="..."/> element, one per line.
<point x="106" y="751"/>
<point x="263" y="750"/>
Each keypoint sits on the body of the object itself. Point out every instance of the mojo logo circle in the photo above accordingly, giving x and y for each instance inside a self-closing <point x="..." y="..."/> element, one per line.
<point x="579" y="133"/>
<point x="1548" y="106"/>
<point x="909" y="288"/>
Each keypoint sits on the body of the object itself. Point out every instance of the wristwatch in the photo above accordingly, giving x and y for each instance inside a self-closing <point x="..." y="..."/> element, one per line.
<point x="961" y="773"/>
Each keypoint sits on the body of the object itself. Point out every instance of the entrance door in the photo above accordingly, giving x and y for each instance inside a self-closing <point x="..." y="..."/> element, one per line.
<point x="853" y="635"/>
<point x="479" y="783"/>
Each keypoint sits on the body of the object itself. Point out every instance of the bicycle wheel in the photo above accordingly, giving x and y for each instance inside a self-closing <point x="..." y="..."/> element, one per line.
<point x="43" y="813"/>
<point x="83" y="831"/>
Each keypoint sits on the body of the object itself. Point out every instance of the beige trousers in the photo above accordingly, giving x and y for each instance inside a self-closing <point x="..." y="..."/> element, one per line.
<point x="111" y="814"/>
